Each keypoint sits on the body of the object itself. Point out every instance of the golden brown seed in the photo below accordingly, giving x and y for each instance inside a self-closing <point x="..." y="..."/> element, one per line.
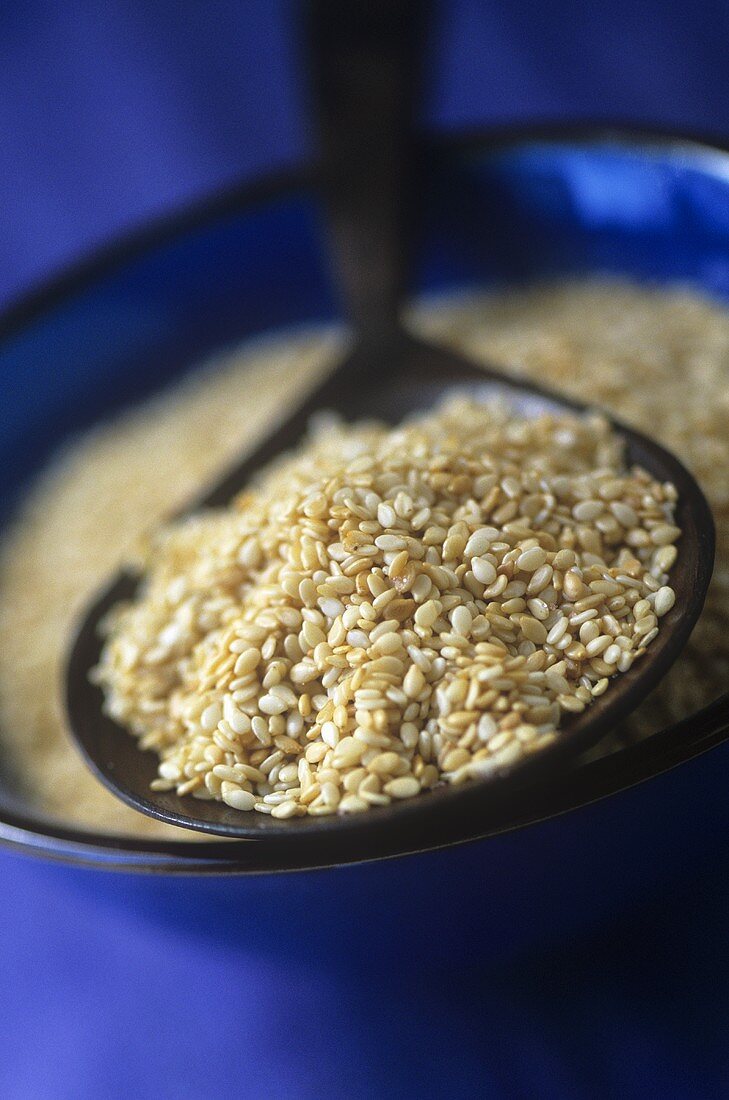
<point x="391" y="610"/>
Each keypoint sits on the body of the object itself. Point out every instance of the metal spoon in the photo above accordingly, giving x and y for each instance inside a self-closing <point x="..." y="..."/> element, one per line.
<point x="365" y="59"/>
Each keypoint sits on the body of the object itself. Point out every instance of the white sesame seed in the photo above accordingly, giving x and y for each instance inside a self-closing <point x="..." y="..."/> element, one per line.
<point x="665" y="598"/>
<point x="271" y="704"/>
<point x="557" y="632"/>
<point x="479" y="542"/>
<point x="331" y="607"/>
<point x="405" y="787"/>
<point x="483" y="570"/>
<point x="330" y="734"/>
<point x="598" y="645"/>
<point x="414" y="682"/>
<point x="386" y="515"/>
<point x="426" y="614"/>
<point x="461" y="620"/>
<point x="588" y="510"/>
<point x="211" y="716"/>
<point x="408" y="604"/>
<point x="531" y="559"/>
<point x="664" y="533"/>
<point x="285" y="810"/>
<point x="238" y="799"/>
<point x="486" y="727"/>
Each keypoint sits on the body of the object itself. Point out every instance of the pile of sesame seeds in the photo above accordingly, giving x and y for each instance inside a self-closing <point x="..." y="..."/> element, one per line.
<point x="389" y="610"/>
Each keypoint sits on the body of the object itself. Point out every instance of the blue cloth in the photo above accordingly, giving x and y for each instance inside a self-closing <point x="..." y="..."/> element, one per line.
<point x="113" y="112"/>
<point x="101" y="1002"/>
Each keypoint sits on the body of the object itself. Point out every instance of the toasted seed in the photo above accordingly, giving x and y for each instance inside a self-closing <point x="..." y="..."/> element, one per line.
<point x="237" y="798"/>
<point x="483" y="570"/>
<point x="558" y="631"/>
<point x="531" y="559"/>
<point x="598" y="645"/>
<point x="414" y="682"/>
<point x="532" y="629"/>
<point x="573" y="586"/>
<point x="664" y="534"/>
<point x="461" y="620"/>
<point x="390" y="610"/>
<point x="405" y="786"/>
<point x="664" y="601"/>
<point x="271" y="704"/>
<point x="285" y="810"/>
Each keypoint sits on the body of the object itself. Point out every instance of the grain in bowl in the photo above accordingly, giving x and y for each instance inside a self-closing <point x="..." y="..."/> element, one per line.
<point x="658" y="357"/>
<point x="388" y="610"/>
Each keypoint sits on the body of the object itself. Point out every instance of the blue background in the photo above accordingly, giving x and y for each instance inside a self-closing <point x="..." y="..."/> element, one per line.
<point x="111" y="113"/>
<point x="114" y="110"/>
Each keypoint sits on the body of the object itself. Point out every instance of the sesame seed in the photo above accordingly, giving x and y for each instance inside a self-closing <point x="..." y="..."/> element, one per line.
<point x="271" y="704"/>
<point x="407" y="786"/>
<point x="238" y="799"/>
<point x="386" y="604"/>
<point x="531" y="559"/>
<point x="461" y="620"/>
<point x="558" y="631"/>
<point x="664" y="600"/>
<point x="483" y="570"/>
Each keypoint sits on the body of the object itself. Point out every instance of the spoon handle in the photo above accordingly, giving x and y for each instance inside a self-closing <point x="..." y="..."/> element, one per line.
<point x="365" y="65"/>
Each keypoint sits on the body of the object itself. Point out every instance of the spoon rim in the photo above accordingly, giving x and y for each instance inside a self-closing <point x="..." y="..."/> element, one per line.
<point x="576" y="733"/>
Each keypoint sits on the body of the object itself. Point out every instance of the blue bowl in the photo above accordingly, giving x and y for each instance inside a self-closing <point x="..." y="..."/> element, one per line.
<point x="497" y="208"/>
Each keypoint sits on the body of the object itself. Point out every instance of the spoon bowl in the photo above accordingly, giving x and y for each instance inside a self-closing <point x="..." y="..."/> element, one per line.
<point x="389" y="385"/>
<point x="365" y="60"/>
